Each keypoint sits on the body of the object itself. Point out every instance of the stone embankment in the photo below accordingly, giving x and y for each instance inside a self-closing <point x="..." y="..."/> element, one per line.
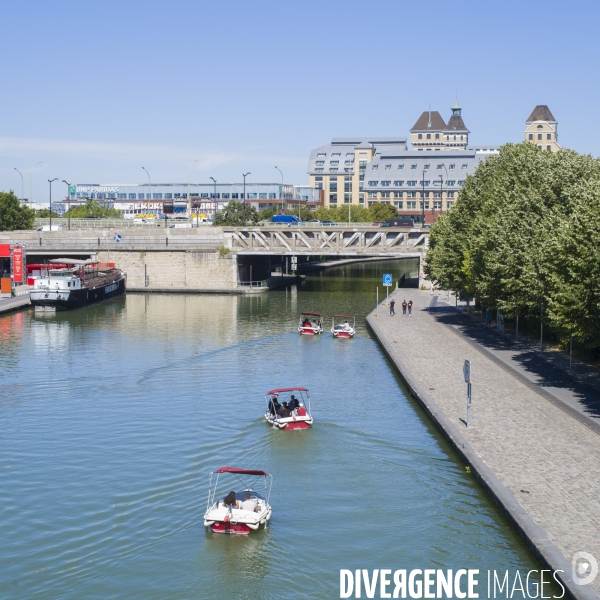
<point x="537" y="460"/>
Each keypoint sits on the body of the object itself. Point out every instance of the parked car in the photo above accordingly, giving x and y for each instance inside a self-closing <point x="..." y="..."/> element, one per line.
<point x="377" y="224"/>
<point x="48" y="228"/>
<point x="328" y="223"/>
<point x="399" y="222"/>
<point x="315" y="221"/>
<point x="426" y="226"/>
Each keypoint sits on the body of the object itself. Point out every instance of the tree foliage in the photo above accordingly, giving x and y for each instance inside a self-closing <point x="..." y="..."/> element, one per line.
<point x="525" y="231"/>
<point x="236" y="215"/>
<point x="92" y="208"/>
<point x="13" y="214"/>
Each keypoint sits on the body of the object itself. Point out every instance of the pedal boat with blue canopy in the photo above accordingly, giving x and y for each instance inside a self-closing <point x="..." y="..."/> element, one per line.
<point x="235" y="520"/>
<point x="345" y="329"/>
<point x="300" y="416"/>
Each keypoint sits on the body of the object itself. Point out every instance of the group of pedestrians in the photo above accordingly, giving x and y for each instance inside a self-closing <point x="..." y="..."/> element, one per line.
<point x="405" y="306"/>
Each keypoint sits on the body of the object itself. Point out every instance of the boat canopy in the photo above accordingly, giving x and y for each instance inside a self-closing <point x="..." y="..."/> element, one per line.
<point x="343" y="316"/>
<point x="311" y="314"/>
<point x="241" y="471"/>
<point x="73" y="261"/>
<point x="283" y="390"/>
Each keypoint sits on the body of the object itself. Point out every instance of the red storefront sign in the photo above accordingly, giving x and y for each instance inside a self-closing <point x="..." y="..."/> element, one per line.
<point x="4" y="250"/>
<point x="18" y="264"/>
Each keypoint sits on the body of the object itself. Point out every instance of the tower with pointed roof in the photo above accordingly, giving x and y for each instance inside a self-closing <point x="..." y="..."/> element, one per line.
<point x="541" y="129"/>
<point x="456" y="134"/>
<point x="426" y="133"/>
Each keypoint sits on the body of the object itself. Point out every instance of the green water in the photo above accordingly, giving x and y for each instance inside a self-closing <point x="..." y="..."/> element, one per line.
<point x="112" y="417"/>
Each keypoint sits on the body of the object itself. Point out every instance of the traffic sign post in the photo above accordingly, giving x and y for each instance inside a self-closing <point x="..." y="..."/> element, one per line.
<point x="387" y="282"/>
<point x="467" y="375"/>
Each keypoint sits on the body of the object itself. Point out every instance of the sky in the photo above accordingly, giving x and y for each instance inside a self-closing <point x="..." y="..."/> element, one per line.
<point x="94" y="91"/>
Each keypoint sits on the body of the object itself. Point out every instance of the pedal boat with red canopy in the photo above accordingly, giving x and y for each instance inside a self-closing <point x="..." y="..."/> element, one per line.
<point x="345" y="329"/>
<point x="300" y="417"/>
<point x="232" y="519"/>
<point x="311" y="323"/>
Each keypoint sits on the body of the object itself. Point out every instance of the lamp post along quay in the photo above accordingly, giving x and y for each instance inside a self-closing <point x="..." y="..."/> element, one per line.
<point x="68" y="202"/>
<point x="467" y="376"/>
<point x="148" y="202"/>
<point x="281" y="190"/>
<point x="423" y="200"/>
<point x="214" y="200"/>
<point x="22" y="188"/>
<point x="189" y="198"/>
<point x="244" y="176"/>
<point x="50" y="182"/>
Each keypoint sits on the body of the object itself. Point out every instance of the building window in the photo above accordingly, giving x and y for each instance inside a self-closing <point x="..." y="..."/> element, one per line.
<point x="373" y="183"/>
<point x="388" y="167"/>
<point x="234" y="196"/>
<point x="447" y="138"/>
<point x="262" y="196"/>
<point x="428" y="136"/>
<point x="333" y="185"/>
<point x="141" y="196"/>
<point x="426" y="167"/>
<point x="399" y="204"/>
<point x="540" y="127"/>
<point x="347" y="186"/>
<point x="451" y="182"/>
<point x="539" y="136"/>
<point x="397" y="194"/>
<point x="437" y="205"/>
<point x="385" y="194"/>
<point x="332" y="169"/>
<point x="449" y="204"/>
<point x="426" y="204"/>
<point x="362" y="164"/>
<point x="413" y="167"/>
<point x="320" y="163"/>
<point x="334" y="163"/>
<point x="385" y="183"/>
<point x="437" y="194"/>
<point x="400" y="167"/>
<point x="531" y="137"/>
<point x="347" y="198"/>
<point x="375" y="167"/>
<point x="252" y="196"/>
<point x="451" y="167"/>
<point x="425" y="182"/>
<point x="226" y="196"/>
<point x="411" y="183"/>
<point x="361" y="198"/>
<point x="437" y="182"/>
<point x="439" y="167"/>
<point x="319" y="170"/>
<point x="399" y="183"/>
<point x="548" y="136"/>
<point x="321" y="155"/>
<point x="450" y="194"/>
<point x="157" y="196"/>
<point x="548" y="147"/>
<point x="332" y="198"/>
<point x="372" y="195"/>
<point x="336" y="154"/>
<point x="540" y="147"/>
<point x="349" y="163"/>
<point x="122" y="196"/>
<point x="464" y="167"/>
<point x="420" y="136"/>
<point x="411" y="204"/>
<point x="132" y="196"/>
<point x="425" y="193"/>
<point x="411" y="194"/>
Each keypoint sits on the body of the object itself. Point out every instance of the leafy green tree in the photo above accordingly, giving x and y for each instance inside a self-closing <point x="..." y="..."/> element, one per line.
<point x="92" y="208"/>
<point x="380" y="211"/>
<point x="525" y="231"/>
<point x="44" y="213"/>
<point x="234" y="215"/>
<point x="13" y="214"/>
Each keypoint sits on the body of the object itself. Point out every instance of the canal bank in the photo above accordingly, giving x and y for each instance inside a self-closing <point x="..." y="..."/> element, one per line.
<point x="539" y="464"/>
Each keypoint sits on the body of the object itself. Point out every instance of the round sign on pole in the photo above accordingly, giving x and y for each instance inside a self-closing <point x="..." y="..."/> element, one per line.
<point x="387" y="279"/>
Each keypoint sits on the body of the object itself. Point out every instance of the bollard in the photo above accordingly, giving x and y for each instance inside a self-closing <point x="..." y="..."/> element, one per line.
<point x="40" y="241"/>
<point x="98" y="241"/>
<point x="167" y="241"/>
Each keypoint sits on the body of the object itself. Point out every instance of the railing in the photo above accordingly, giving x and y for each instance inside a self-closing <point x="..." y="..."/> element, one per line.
<point x="116" y="223"/>
<point x="126" y="242"/>
<point x="255" y="284"/>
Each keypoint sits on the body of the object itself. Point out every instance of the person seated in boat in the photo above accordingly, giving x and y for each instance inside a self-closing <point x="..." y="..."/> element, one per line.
<point x="249" y="504"/>
<point x="314" y="325"/>
<point x="284" y="411"/>
<point x="306" y="323"/>
<point x="301" y="410"/>
<point x="230" y="501"/>
<point x="294" y="403"/>
<point x="346" y="326"/>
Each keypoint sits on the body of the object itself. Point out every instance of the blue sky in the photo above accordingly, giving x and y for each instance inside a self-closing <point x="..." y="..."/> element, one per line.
<point x="96" y="90"/>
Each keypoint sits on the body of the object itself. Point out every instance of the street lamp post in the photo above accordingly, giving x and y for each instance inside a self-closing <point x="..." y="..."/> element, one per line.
<point x="423" y="199"/>
<point x="68" y="202"/>
<point x="215" y="196"/>
<point x="21" y="174"/>
<point x="148" y="201"/>
<point x="281" y="191"/>
<point x="189" y="190"/>
<point x="31" y="180"/>
<point x="442" y="189"/>
<point x="50" y="182"/>
<point x="244" y="176"/>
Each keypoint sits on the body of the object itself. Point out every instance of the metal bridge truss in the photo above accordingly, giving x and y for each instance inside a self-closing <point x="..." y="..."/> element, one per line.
<point x="368" y="242"/>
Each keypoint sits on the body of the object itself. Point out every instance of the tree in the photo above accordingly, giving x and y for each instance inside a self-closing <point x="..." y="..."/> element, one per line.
<point x="234" y="215"/>
<point x="525" y="231"/>
<point x="93" y="208"/>
<point x="44" y="213"/>
<point x="379" y="211"/>
<point x="13" y="214"/>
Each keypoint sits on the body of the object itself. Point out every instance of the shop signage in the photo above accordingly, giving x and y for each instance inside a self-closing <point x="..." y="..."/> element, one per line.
<point x="72" y="189"/>
<point x="18" y="264"/>
<point x="95" y="189"/>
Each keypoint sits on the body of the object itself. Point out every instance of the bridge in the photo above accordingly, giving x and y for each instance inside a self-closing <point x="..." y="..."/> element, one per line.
<point x="346" y="240"/>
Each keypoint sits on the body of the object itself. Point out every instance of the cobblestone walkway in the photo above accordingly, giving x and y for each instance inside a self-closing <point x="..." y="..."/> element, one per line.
<point x="548" y="460"/>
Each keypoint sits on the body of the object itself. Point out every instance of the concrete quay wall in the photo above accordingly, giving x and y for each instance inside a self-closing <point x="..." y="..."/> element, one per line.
<point x="182" y="270"/>
<point x="527" y="454"/>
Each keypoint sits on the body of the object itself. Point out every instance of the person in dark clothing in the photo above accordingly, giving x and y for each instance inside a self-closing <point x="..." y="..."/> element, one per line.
<point x="410" y="308"/>
<point x="274" y="405"/>
<point x="392" y="305"/>
<point x="231" y="500"/>
<point x="284" y="411"/>
<point x="404" y="308"/>
<point x="294" y="402"/>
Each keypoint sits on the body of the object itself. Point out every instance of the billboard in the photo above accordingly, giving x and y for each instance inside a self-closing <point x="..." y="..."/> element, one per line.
<point x="18" y="264"/>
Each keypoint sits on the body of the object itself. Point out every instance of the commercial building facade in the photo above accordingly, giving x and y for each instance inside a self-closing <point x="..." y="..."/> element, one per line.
<point x="419" y="182"/>
<point x="149" y="198"/>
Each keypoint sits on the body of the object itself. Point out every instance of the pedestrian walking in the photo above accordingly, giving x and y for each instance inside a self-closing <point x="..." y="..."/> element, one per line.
<point x="404" y="308"/>
<point x="392" y="311"/>
<point x="410" y="308"/>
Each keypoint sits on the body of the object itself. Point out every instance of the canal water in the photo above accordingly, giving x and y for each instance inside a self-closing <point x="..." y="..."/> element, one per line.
<point x="111" y="418"/>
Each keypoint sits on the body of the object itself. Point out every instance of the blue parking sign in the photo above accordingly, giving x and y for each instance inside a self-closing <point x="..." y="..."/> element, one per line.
<point x="387" y="279"/>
